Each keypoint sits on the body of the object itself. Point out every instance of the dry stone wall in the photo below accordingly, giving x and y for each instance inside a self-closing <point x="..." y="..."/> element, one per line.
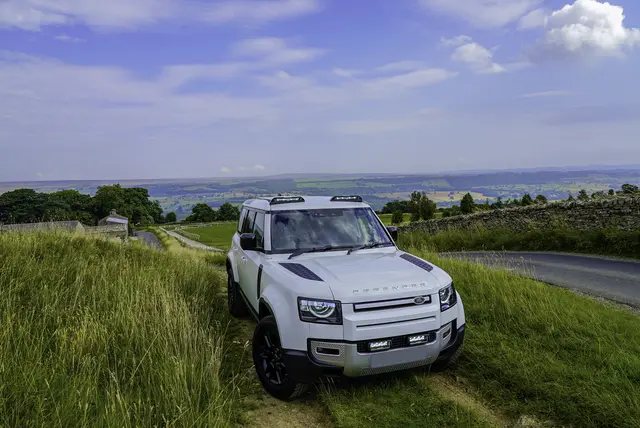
<point x="620" y="213"/>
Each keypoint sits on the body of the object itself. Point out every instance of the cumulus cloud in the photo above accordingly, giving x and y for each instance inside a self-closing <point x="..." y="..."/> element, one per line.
<point x="126" y="14"/>
<point x="482" y="13"/>
<point x="475" y="56"/>
<point x="534" y="19"/>
<point x="586" y="28"/>
<point x="455" y="41"/>
<point x="284" y="81"/>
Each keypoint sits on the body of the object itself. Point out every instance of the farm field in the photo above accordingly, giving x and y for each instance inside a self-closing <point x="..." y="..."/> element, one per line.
<point x="217" y="235"/>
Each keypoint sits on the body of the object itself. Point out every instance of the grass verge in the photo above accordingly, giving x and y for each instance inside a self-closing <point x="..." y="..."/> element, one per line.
<point x="219" y="235"/>
<point x="538" y="350"/>
<point x="604" y="242"/>
<point x="99" y="334"/>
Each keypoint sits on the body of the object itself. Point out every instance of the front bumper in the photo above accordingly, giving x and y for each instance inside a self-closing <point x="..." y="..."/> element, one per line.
<point x="348" y="359"/>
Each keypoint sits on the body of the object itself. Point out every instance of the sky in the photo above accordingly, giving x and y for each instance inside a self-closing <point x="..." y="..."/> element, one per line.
<point x="121" y="89"/>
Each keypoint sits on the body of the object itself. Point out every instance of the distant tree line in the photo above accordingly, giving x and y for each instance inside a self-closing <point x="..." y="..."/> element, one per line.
<point x="29" y="206"/>
<point x="204" y="213"/>
<point x="422" y="208"/>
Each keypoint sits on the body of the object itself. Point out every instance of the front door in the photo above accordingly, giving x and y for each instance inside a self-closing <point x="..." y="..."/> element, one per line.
<point x="250" y="261"/>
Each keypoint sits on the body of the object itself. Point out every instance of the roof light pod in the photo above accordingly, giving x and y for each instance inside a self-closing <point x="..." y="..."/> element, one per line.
<point x="285" y="200"/>
<point x="354" y="198"/>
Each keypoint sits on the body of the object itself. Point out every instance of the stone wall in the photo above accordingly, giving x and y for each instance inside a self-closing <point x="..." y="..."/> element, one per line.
<point x="109" y="230"/>
<point x="620" y="213"/>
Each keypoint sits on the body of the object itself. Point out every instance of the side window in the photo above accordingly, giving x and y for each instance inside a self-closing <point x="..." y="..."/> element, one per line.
<point x="247" y="225"/>
<point x="243" y="215"/>
<point x="258" y="229"/>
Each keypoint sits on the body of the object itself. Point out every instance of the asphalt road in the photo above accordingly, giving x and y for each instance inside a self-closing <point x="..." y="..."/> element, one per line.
<point x="613" y="279"/>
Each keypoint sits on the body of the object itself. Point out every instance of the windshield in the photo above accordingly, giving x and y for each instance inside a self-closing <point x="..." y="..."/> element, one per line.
<point x="336" y="227"/>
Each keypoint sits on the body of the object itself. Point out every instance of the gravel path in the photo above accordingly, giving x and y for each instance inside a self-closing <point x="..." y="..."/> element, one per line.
<point x="613" y="279"/>
<point x="150" y="239"/>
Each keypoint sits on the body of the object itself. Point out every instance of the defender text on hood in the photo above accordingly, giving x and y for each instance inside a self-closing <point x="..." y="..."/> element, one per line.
<point x="334" y="296"/>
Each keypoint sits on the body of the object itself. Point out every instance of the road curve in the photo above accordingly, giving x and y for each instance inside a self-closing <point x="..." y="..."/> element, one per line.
<point x="613" y="279"/>
<point x="191" y="243"/>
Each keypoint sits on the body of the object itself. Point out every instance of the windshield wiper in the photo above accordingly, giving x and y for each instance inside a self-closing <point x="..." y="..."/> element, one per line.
<point x="368" y="246"/>
<point x="311" y="250"/>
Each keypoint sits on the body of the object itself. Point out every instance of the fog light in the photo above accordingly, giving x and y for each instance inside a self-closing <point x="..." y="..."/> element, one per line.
<point x="417" y="340"/>
<point x="380" y="345"/>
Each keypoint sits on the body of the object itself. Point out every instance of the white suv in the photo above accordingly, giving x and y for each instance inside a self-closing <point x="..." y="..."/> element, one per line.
<point x="334" y="296"/>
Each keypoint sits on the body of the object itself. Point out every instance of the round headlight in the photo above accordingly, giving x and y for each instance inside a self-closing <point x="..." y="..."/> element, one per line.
<point x="445" y="293"/>
<point x="322" y="309"/>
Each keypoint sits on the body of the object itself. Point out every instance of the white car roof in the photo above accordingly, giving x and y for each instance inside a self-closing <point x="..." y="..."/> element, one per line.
<point x="310" y="203"/>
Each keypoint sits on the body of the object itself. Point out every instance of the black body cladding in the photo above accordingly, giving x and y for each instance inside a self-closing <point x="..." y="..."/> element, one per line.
<point x="301" y="271"/>
<point x="418" y="262"/>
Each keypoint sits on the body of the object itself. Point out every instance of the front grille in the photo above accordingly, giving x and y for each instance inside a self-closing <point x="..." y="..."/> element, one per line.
<point x="396" y="342"/>
<point x="405" y="302"/>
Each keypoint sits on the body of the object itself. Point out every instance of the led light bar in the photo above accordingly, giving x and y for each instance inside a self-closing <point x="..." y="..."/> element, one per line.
<point x="346" y="199"/>
<point x="418" y="339"/>
<point x="379" y="345"/>
<point x="286" y="200"/>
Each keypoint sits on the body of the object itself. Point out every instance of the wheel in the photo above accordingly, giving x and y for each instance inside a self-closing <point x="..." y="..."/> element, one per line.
<point x="449" y="361"/>
<point x="270" y="367"/>
<point x="237" y="306"/>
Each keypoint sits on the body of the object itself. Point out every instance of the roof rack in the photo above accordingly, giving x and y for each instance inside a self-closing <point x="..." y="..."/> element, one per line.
<point x="354" y="198"/>
<point x="285" y="200"/>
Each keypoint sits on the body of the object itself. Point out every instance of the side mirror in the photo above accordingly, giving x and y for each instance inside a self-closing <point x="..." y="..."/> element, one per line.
<point x="248" y="241"/>
<point x="393" y="231"/>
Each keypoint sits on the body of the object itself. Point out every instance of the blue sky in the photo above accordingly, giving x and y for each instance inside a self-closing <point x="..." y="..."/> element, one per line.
<point x="193" y="88"/>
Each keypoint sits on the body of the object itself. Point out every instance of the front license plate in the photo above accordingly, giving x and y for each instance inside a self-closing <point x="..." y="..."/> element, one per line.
<point x="400" y="356"/>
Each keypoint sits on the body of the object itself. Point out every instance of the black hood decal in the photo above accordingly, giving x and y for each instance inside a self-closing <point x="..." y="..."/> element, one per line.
<point x="302" y="271"/>
<point x="416" y="261"/>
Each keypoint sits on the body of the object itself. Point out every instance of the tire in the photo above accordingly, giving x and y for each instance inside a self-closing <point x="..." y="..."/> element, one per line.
<point x="267" y="359"/>
<point x="235" y="302"/>
<point x="446" y="363"/>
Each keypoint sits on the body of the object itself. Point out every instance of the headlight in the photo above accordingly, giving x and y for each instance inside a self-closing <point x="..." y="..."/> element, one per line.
<point x="448" y="297"/>
<point x="319" y="311"/>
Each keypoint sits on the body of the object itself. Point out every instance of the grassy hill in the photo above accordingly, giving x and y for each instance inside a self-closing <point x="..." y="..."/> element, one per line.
<point x="95" y="333"/>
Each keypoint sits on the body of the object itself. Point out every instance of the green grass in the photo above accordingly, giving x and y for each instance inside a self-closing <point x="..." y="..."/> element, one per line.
<point x="95" y="333"/>
<point x="604" y="242"/>
<point x="536" y="349"/>
<point x="386" y="219"/>
<point x="407" y="403"/>
<point x="218" y="235"/>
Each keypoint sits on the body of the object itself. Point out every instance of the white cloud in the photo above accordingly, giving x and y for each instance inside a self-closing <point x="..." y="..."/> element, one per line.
<point x="534" y="19"/>
<point x="68" y="39"/>
<point x="284" y="81"/>
<point x="482" y="13"/>
<point x="546" y="94"/>
<point x="276" y="51"/>
<point x="455" y="41"/>
<point x="476" y="57"/>
<point x="225" y="170"/>
<point x="401" y="66"/>
<point x="126" y="14"/>
<point x="259" y="167"/>
<point x="587" y="28"/>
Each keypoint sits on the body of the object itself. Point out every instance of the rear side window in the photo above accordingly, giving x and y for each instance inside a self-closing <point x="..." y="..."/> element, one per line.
<point x="258" y="230"/>
<point x="243" y="215"/>
<point x="247" y="225"/>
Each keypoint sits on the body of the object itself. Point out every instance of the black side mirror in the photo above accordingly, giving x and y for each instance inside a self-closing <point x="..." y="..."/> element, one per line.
<point x="393" y="231"/>
<point x="248" y="241"/>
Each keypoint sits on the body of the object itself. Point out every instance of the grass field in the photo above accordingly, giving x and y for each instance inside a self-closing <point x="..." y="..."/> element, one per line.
<point x="218" y="235"/>
<point x="102" y="334"/>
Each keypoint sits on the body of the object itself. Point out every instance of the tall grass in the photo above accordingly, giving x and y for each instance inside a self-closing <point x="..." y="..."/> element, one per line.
<point x="603" y="241"/>
<point x="94" y="333"/>
<point x="536" y="349"/>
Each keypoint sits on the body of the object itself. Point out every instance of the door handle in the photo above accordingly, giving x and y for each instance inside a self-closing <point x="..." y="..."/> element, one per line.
<point x="244" y="259"/>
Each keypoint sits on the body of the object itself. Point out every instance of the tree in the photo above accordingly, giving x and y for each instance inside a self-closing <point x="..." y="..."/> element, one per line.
<point x="171" y="217"/>
<point x="541" y="199"/>
<point x="611" y="192"/>
<point x="570" y="198"/>
<point x="629" y="189"/>
<point x="598" y="195"/>
<point x="202" y="213"/>
<point x="467" y="204"/>
<point x="526" y="200"/>
<point x="23" y="206"/>
<point x="421" y="207"/>
<point x="228" y="212"/>
<point x="397" y="205"/>
<point x="583" y="195"/>
<point x="397" y="217"/>
<point x="498" y="204"/>
<point x="133" y="203"/>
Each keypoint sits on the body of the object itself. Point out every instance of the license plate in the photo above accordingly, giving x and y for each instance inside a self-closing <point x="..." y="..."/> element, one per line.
<point x="401" y="356"/>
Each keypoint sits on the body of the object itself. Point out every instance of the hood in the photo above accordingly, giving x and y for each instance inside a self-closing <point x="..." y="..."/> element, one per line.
<point x="373" y="275"/>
